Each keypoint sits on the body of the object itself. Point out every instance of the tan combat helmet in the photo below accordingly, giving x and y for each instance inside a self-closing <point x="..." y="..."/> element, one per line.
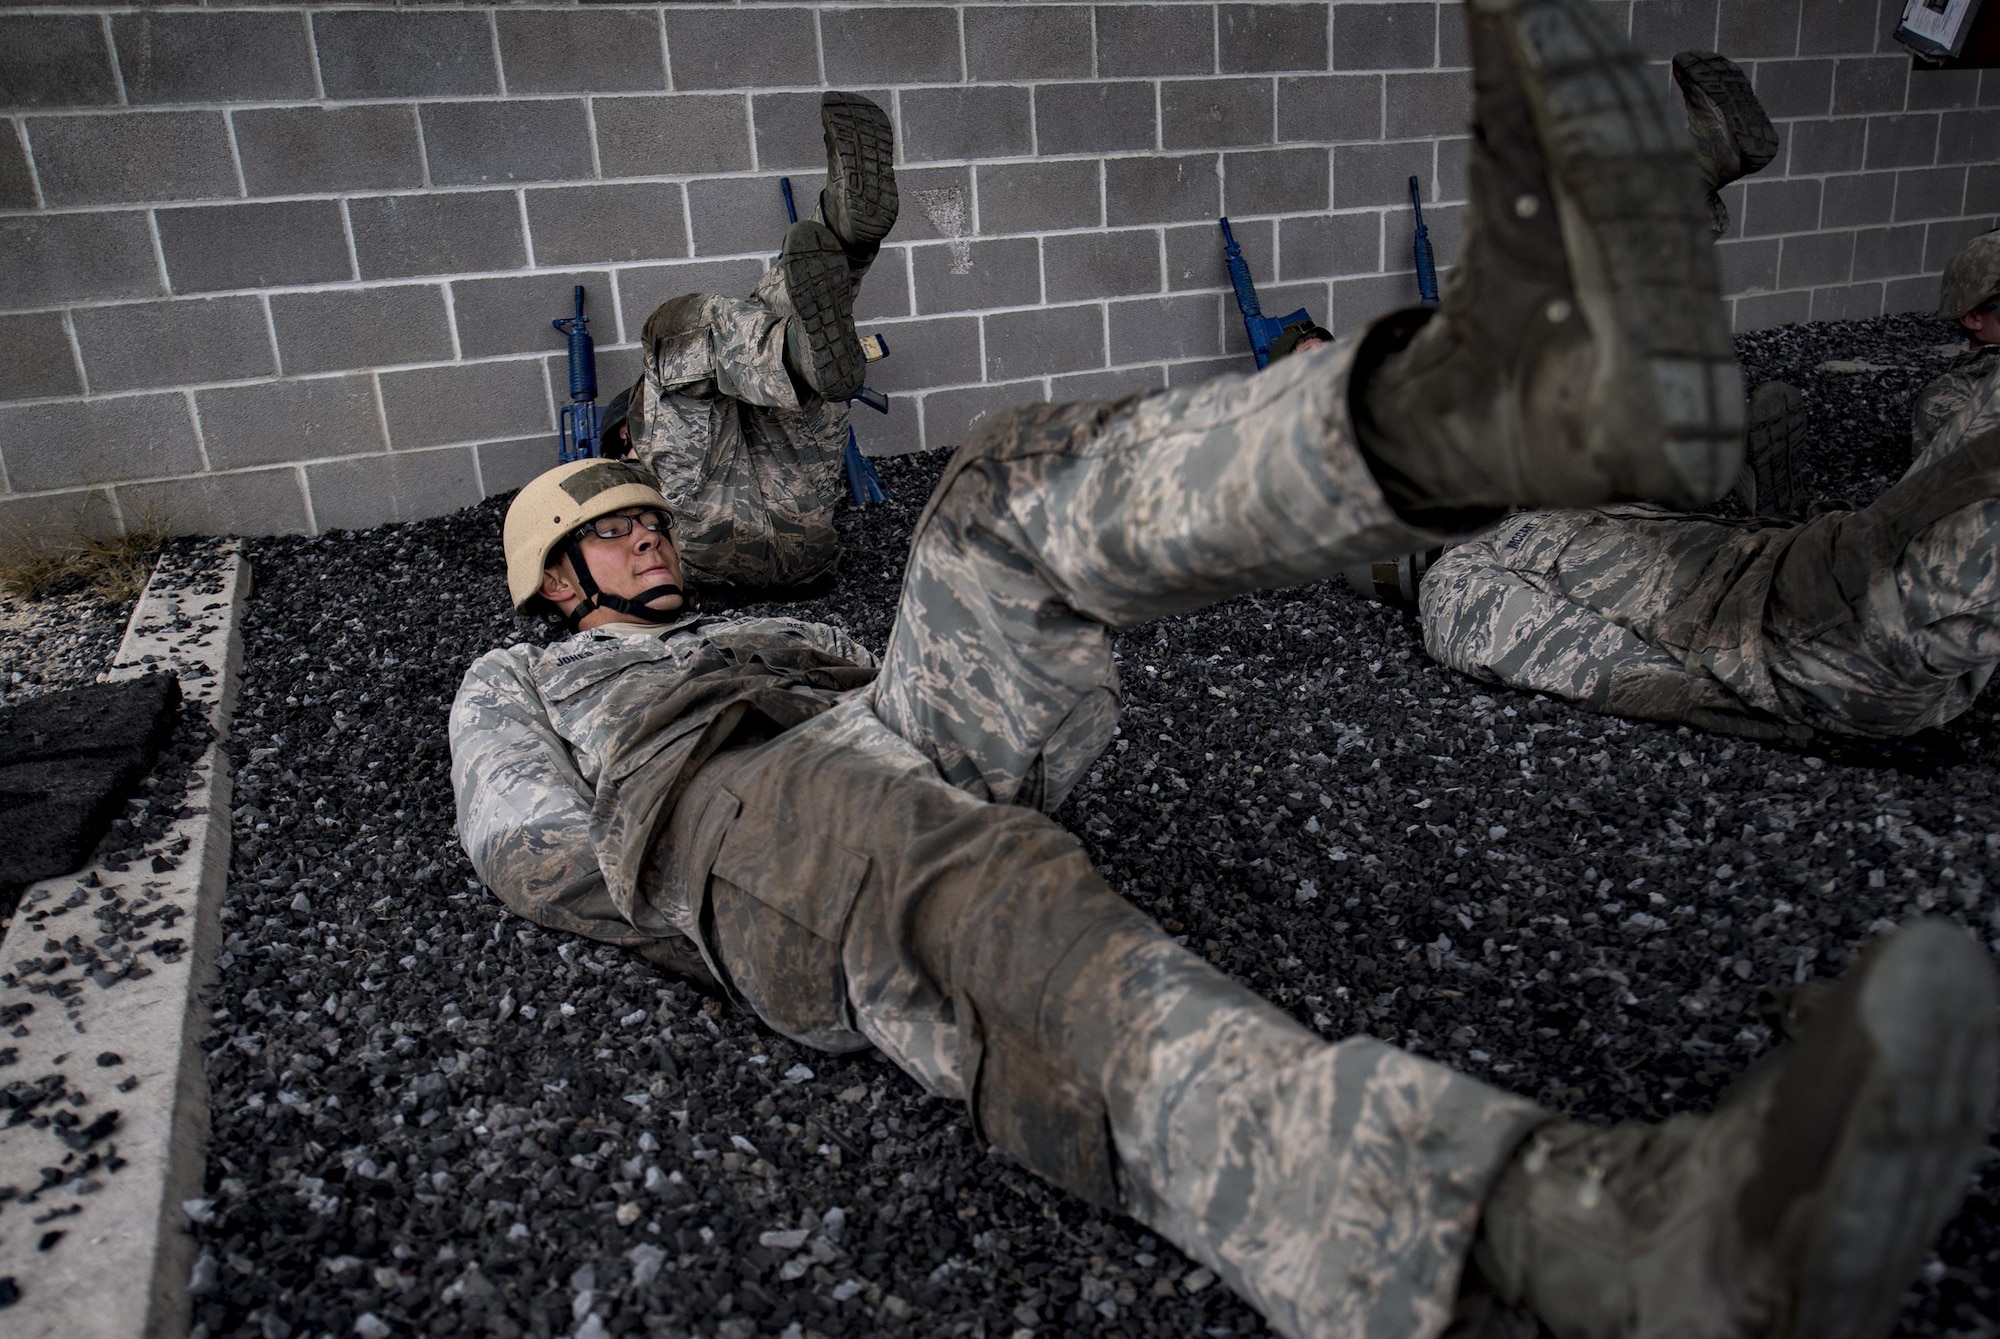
<point x="551" y="507"/>
<point x="1972" y="277"/>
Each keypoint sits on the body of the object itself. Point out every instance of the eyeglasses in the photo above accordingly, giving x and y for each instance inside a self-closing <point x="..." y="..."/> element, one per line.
<point x="618" y="525"/>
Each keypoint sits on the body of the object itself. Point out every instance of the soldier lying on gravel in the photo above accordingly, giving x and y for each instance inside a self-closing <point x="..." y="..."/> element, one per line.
<point x="742" y="411"/>
<point x="855" y="852"/>
<point x="1877" y="623"/>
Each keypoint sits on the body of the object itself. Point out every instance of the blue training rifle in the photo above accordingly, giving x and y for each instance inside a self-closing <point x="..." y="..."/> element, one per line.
<point x="864" y="485"/>
<point x="1262" y="329"/>
<point x="582" y="420"/>
<point x="1427" y="270"/>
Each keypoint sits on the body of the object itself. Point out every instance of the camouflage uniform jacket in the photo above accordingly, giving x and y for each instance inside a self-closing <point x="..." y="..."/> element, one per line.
<point x="567" y="758"/>
<point x="1948" y="392"/>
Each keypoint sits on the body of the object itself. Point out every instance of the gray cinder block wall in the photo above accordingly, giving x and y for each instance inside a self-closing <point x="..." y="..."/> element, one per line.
<point x="291" y="268"/>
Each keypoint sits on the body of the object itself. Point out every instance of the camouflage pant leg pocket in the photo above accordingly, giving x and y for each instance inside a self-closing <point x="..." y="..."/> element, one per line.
<point x="778" y="902"/>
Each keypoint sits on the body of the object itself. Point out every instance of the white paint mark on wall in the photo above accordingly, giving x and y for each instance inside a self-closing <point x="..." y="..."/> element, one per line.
<point x="946" y="211"/>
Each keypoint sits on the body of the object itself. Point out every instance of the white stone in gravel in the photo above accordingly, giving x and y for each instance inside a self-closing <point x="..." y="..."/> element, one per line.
<point x="798" y="1074"/>
<point x="646" y="1261"/>
<point x="370" y="1326"/>
<point x="1198" y="1280"/>
<point x="784" y="1239"/>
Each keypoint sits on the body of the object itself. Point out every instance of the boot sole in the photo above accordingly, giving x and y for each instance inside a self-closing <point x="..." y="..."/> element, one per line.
<point x="861" y="167"/>
<point x="822" y="295"/>
<point x="1778" y="424"/>
<point x="1664" y="413"/>
<point x="1912" y="1130"/>
<point x="1722" y="82"/>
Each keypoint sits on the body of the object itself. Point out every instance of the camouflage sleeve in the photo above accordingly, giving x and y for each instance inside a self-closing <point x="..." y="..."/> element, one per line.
<point x="824" y="637"/>
<point x="523" y="809"/>
<point x="1950" y="581"/>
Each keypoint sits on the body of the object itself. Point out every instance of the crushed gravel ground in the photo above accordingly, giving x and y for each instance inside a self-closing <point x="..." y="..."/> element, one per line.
<point x="62" y="640"/>
<point x="433" y="1118"/>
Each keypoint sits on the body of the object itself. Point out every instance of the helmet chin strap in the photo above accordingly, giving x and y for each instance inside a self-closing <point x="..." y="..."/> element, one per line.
<point x="595" y="598"/>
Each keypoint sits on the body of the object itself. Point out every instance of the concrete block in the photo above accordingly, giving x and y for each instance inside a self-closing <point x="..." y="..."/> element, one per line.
<point x="954" y="277"/>
<point x="734" y="215"/>
<point x="646" y="137"/>
<point x="1982" y="189"/>
<point x="308" y="150"/>
<point x="506" y="466"/>
<point x="937" y="201"/>
<point x="1779" y="206"/>
<point x="84" y="443"/>
<point x="139" y="157"/>
<point x="1969" y="137"/>
<point x="1379" y="174"/>
<point x="885" y="291"/>
<point x="1856" y="201"/>
<point x="55" y="60"/>
<point x="1215" y="113"/>
<point x="581" y="50"/>
<point x="36" y="359"/>
<point x="1115" y="384"/>
<point x="1828" y="146"/>
<point x="1276" y="300"/>
<point x="401" y="236"/>
<point x="1811" y="260"/>
<point x="241" y="55"/>
<point x="1989" y="88"/>
<point x="936" y="351"/>
<point x="1254" y="39"/>
<point x="1450" y="184"/>
<point x="1195" y="372"/>
<point x="1866" y="84"/>
<point x="897" y="433"/>
<point x="617" y="369"/>
<point x="1188" y="325"/>
<point x="788" y="130"/>
<point x="741" y="48"/>
<point x="1352" y="303"/>
<point x="1275" y="181"/>
<point x="57" y="258"/>
<point x="1031" y="197"/>
<point x="252" y="502"/>
<point x="1933" y="90"/>
<point x="254" y="245"/>
<point x="1155" y="40"/>
<point x="962" y="123"/>
<point x="904" y="44"/>
<point x="1847" y="302"/>
<point x="1929" y="193"/>
<point x="1764" y="310"/>
<point x="1428" y="103"/>
<point x="576" y="225"/>
<point x="950" y="416"/>
<point x="277" y="422"/>
<point x="1159" y="190"/>
<point x="1095" y="118"/>
<point x="330" y="329"/>
<point x="1837" y="27"/>
<point x="467" y="402"/>
<point x="513" y="314"/>
<point x="1749" y="29"/>
<point x="1748" y="265"/>
<point x="366" y="491"/>
<point x="1195" y="259"/>
<point x="175" y="343"/>
<point x="1384" y="37"/>
<point x="405" y="53"/>
<point x="1904" y="140"/>
<point x="1918" y="293"/>
<point x="1329" y="244"/>
<point x="1455" y="50"/>
<point x="1942" y="241"/>
<point x="84" y="512"/>
<point x="1330" y="108"/>
<point x="17" y="184"/>
<point x="642" y="289"/>
<point x="1025" y="42"/>
<point x="1662" y="27"/>
<point x="481" y="143"/>
<point x="1790" y="88"/>
<point x="1100" y="264"/>
<point x="1885" y="253"/>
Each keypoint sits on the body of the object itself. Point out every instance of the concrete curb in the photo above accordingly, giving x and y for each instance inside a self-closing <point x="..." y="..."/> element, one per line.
<point x="93" y="1239"/>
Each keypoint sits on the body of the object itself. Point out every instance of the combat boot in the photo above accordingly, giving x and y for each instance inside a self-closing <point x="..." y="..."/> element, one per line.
<point x="1581" y="353"/>
<point x="1802" y="1206"/>
<point x="1769" y="484"/>
<point x="1733" y="135"/>
<point x="859" y="202"/>
<point x="822" y="348"/>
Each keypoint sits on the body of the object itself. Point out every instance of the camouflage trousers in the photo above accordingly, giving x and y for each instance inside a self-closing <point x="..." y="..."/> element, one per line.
<point x="753" y="471"/>
<point x="854" y="882"/>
